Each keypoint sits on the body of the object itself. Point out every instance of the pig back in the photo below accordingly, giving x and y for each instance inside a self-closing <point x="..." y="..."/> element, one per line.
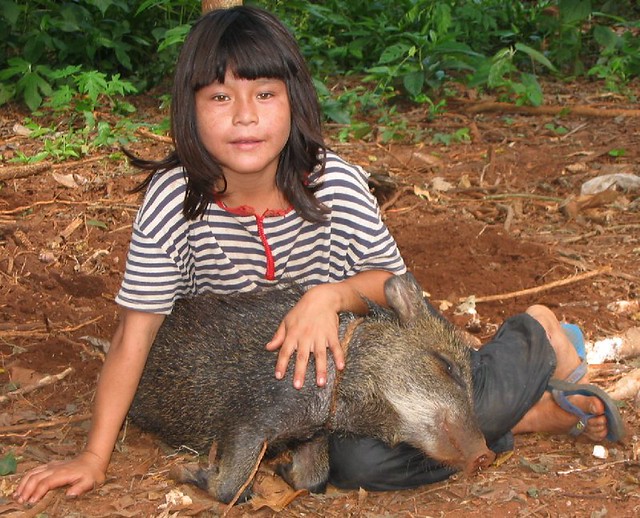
<point x="208" y="375"/>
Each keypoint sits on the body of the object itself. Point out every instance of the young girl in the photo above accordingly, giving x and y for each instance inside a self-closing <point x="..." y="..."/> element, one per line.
<point x="251" y="197"/>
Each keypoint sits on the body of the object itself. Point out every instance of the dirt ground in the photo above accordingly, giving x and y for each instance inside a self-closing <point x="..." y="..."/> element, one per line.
<point x="498" y="216"/>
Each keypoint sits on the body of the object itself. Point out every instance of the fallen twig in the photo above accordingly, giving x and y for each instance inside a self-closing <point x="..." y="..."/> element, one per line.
<point x="395" y="198"/>
<point x="579" y="110"/>
<point x="160" y="138"/>
<point x="44" y="332"/>
<point x="247" y="482"/>
<point x="100" y="204"/>
<point x="23" y="171"/>
<point x="31" y="512"/>
<point x="9" y="335"/>
<point x="523" y="195"/>
<point x="545" y="287"/>
<point x="49" y="379"/>
<point x="28" y="427"/>
<point x="80" y="326"/>
<point x="599" y="466"/>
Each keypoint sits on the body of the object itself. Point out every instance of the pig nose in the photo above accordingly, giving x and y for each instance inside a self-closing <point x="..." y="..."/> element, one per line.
<point x="482" y="459"/>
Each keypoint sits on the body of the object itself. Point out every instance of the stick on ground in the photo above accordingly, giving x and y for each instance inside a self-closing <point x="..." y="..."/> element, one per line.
<point x="544" y="287"/>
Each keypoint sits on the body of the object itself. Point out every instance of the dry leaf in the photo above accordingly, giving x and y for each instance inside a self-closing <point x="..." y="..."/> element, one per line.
<point x="430" y="160"/>
<point x="422" y="192"/>
<point x="21" y="130"/>
<point x="22" y="375"/>
<point x="67" y="180"/>
<point x="440" y="184"/>
<point x="273" y="492"/>
<point x="577" y="167"/>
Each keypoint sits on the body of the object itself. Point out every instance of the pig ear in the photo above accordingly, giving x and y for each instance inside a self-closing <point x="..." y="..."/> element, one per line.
<point x="404" y="296"/>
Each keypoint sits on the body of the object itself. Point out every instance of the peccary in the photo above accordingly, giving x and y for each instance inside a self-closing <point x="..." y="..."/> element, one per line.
<point x="209" y="379"/>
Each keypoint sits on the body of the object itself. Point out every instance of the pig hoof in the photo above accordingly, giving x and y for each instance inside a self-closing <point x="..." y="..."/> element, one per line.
<point x="194" y="474"/>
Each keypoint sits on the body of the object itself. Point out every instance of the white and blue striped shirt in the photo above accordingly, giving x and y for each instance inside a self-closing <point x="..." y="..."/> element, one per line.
<point x="229" y="251"/>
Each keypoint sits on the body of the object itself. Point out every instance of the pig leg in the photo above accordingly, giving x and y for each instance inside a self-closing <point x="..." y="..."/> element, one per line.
<point x="239" y="459"/>
<point x="309" y="467"/>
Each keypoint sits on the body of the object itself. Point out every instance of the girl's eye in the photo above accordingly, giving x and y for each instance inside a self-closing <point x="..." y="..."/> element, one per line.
<point x="220" y="97"/>
<point x="265" y="95"/>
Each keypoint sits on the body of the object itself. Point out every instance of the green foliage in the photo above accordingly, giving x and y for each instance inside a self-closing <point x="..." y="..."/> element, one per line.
<point x="458" y="136"/>
<point x="117" y="38"/>
<point x="412" y="48"/>
<point x="617" y="152"/>
<point x="83" y="56"/>
<point x="8" y="464"/>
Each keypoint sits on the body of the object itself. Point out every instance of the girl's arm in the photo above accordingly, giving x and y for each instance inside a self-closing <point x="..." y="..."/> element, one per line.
<point x="117" y="385"/>
<point x="312" y="325"/>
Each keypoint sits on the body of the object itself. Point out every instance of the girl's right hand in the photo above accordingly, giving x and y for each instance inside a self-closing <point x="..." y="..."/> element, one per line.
<point x="83" y="473"/>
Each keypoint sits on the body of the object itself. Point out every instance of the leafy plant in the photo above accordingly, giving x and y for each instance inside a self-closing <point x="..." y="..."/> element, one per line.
<point x="367" y="56"/>
<point x="8" y="464"/>
<point x="558" y="130"/>
<point x="114" y="37"/>
<point x="458" y="136"/>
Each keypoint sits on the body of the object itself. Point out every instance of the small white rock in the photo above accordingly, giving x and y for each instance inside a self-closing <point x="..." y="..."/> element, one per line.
<point x="600" y="452"/>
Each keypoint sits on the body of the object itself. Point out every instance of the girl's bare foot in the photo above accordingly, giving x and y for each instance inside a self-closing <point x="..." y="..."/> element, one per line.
<point x="547" y="417"/>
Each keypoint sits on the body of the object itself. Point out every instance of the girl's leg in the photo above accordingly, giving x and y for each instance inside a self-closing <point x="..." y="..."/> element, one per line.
<point x="546" y="415"/>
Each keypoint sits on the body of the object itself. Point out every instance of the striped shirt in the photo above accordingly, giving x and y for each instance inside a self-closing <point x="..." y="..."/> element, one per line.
<point x="228" y="250"/>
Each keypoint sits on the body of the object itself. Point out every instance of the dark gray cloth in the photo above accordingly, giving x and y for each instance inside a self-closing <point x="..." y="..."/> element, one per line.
<point x="510" y="374"/>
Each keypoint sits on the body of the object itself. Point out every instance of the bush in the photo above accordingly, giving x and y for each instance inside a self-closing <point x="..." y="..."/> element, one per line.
<point x="118" y="38"/>
<point x="394" y="48"/>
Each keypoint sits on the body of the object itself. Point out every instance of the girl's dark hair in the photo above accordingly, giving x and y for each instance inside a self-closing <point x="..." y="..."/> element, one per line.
<point x="251" y="43"/>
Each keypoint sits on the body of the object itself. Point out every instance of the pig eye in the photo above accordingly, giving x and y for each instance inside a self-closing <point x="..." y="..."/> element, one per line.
<point x="451" y="368"/>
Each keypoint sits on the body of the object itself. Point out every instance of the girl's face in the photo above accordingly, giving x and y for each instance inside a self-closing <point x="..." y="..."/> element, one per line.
<point x="244" y="124"/>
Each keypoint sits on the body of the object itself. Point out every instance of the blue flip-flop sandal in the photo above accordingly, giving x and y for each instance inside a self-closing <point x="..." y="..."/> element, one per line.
<point x="561" y="390"/>
<point x="574" y="333"/>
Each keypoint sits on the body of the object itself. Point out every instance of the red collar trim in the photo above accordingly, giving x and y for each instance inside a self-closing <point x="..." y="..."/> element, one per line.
<point x="248" y="210"/>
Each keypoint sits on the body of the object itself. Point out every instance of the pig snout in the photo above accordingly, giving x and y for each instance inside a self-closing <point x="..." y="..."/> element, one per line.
<point x="479" y="460"/>
<point x="469" y="445"/>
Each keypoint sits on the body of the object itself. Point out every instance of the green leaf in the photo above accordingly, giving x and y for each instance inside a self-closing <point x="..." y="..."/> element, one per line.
<point x="92" y="83"/>
<point x="394" y="53"/>
<point x="535" y="55"/>
<point x="65" y="72"/>
<point x="10" y="12"/>
<point x="7" y="93"/>
<point x="532" y="89"/>
<point x="8" y="464"/>
<point x="61" y="98"/>
<point x="574" y="11"/>
<point x="17" y="67"/>
<point x="97" y="223"/>
<point x="150" y="3"/>
<point x="413" y="82"/>
<point x="102" y="5"/>
<point x="174" y="36"/>
<point x="32" y="84"/>
<point x="605" y="37"/>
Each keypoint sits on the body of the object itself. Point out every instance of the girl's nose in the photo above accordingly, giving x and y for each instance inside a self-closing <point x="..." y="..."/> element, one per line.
<point x="245" y="112"/>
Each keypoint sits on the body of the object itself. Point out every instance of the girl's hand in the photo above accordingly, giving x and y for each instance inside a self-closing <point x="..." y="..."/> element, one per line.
<point x="82" y="474"/>
<point x="309" y="328"/>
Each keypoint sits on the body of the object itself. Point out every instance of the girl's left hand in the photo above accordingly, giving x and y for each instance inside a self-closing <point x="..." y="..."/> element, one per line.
<point x="310" y="327"/>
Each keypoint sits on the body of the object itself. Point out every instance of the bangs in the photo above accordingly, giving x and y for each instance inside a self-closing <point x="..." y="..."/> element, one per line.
<point x="246" y="49"/>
